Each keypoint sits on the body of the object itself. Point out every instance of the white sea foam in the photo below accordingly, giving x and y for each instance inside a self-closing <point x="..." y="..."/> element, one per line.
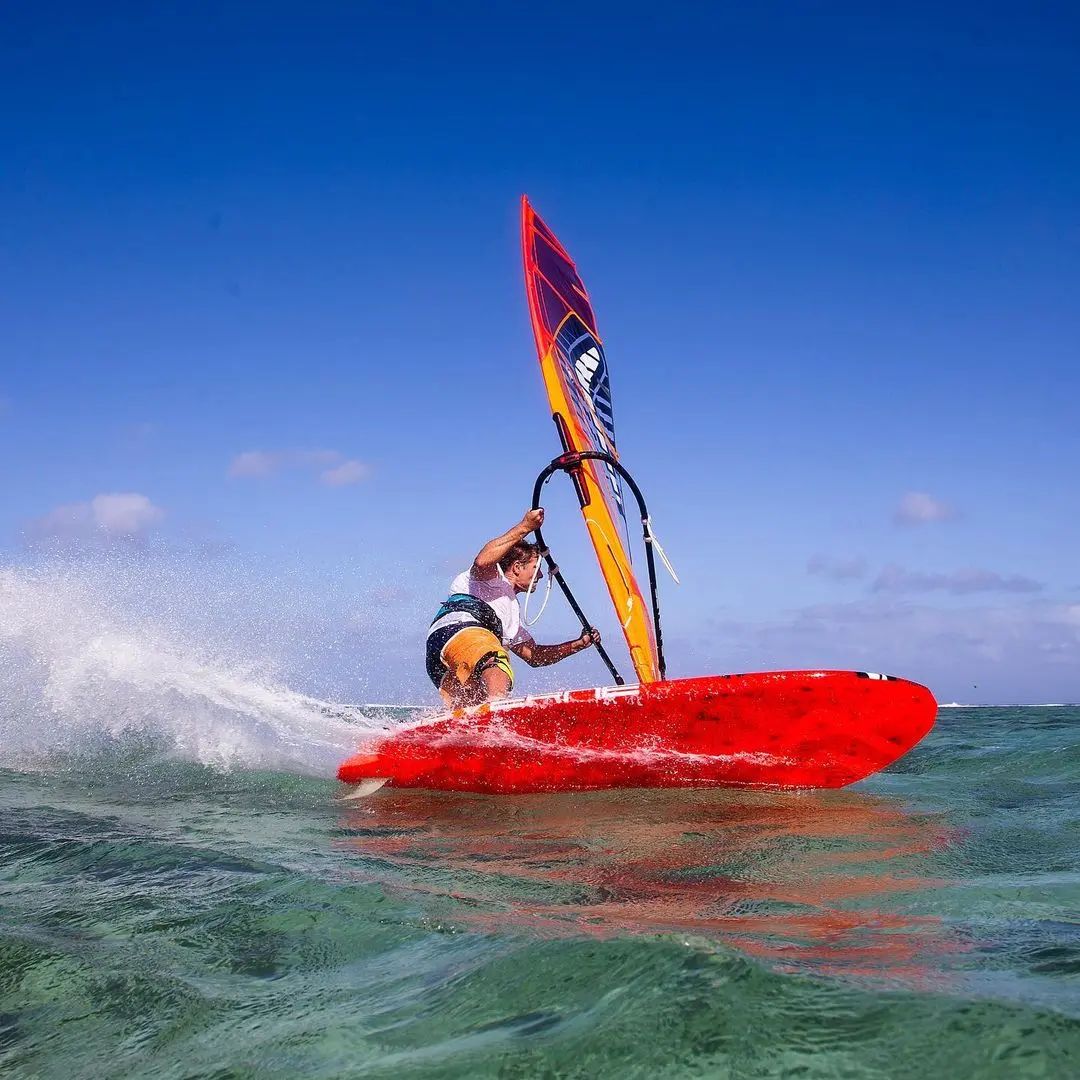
<point x="79" y="662"/>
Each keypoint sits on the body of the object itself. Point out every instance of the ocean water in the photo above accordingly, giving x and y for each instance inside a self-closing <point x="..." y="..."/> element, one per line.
<point x="183" y="894"/>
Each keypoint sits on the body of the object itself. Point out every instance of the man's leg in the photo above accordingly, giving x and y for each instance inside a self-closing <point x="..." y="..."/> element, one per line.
<point x="465" y="695"/>
<point x="497" y="684"/>
<point x="450" y="690"/>
<point x="494" y="676"/>
<point x="477" y="668"/>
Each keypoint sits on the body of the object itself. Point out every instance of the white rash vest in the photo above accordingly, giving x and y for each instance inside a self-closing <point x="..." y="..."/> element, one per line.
<point x="500" y="594"/>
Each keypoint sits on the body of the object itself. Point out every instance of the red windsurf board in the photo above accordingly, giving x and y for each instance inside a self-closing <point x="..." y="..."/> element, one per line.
<point x="780" y="729"/>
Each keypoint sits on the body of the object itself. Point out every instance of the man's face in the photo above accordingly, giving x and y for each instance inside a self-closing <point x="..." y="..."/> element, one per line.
<point x="521" y="573"/>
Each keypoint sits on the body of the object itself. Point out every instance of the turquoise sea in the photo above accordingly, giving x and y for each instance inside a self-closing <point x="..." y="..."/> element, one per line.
<point x="183" y="894"/>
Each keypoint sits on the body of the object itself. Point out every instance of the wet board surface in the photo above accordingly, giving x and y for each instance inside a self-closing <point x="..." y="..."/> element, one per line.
<point x="780" y="729"/>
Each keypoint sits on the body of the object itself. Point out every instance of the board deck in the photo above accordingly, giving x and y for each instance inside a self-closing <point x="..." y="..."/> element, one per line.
<point x="780" y="729"/>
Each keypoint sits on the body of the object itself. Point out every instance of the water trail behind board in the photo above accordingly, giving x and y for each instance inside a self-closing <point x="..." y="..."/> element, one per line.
<point x="79" y="667"/>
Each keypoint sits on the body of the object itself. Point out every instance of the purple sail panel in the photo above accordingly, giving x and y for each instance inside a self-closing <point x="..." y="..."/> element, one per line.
<point x="560" y="274"/>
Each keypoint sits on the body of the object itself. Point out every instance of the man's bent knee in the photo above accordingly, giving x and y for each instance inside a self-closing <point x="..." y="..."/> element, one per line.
<point x="497" y="684"/>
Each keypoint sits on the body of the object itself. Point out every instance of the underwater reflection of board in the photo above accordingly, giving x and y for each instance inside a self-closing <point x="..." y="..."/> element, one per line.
<point x="788" y="729"/>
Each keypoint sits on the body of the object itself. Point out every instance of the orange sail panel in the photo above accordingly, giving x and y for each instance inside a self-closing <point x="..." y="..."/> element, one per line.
<point x="576" y="377"/>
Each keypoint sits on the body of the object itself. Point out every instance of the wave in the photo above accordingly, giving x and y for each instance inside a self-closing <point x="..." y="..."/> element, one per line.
<point x="84" y="660"/>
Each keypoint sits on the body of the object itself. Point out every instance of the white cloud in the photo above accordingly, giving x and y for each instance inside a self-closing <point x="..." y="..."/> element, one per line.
<point x="919" y="508"/>
<point x="348" y="472"/>
<point x="63" y="520"/>
<point x="122" y="515"/>
<point x="254" y="463"/>
<point x="836" y="569"/>
<point x="897" y="579"/>
<point x="334" y="469"/>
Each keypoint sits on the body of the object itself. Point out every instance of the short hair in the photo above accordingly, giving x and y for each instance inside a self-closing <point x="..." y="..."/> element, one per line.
<point x="522" y="551"/>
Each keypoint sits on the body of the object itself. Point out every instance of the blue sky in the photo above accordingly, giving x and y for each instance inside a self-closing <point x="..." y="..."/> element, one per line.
<point x="834" y="256"/>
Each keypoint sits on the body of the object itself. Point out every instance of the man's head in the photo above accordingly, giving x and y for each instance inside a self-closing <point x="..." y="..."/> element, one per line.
<point x="519" y="565"/>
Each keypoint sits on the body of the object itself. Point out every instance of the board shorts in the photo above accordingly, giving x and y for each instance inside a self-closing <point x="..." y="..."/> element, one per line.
<point x="472" y="651"/>
<point x="465" y="640"/>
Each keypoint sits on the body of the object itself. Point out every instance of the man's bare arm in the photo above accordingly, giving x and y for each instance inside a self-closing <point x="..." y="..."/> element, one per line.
<point x="542" y="655"/>
<point x="488" y="557"/>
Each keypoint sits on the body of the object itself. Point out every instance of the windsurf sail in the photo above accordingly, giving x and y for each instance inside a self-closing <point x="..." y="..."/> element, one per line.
<point x="576" y="378"/>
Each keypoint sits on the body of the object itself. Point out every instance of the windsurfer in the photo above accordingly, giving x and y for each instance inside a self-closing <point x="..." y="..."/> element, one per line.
<point x="469" y="637"/>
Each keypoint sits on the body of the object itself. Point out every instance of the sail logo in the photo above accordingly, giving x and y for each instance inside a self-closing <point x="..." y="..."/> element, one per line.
<point x="585" y="374"/>
<point x="590" y="369"/>
<point x="587" y="365"/>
